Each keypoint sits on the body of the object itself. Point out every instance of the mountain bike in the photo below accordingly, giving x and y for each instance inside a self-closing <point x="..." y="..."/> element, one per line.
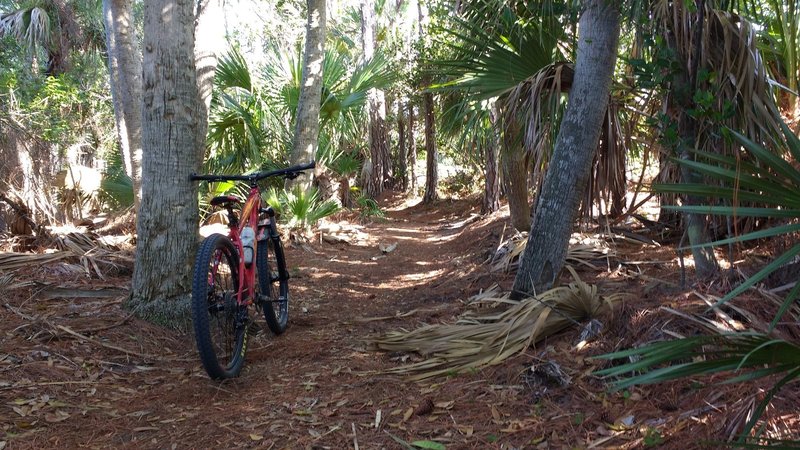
<point x="239" y="272"/>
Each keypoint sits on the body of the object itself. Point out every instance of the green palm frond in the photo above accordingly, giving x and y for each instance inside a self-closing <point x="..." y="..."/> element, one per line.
<point x="491" y="63"/>
<point x="300" y="209"/>
<point x="748" y="356"/>
<point x="770" y="179"/>
<point x="233" y="71"/>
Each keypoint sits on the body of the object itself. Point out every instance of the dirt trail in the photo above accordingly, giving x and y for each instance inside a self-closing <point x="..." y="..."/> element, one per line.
<point x="78" y="372"/>
<point x="314" y="386"/>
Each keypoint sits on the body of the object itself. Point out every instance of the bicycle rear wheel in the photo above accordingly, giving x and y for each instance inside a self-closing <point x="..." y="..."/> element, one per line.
<point x="219" y="322"/>
<point x="274" y="284"/>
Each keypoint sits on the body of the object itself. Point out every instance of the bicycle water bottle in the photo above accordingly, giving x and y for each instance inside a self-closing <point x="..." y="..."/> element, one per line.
<point x="248" y="236"/>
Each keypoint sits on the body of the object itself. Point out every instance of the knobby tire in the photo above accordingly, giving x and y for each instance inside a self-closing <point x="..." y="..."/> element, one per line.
<point x="219" y="323"/>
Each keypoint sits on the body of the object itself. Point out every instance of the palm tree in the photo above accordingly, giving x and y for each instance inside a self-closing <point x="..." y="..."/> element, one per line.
<point x="493" y="49"/>
<point x="50" y="25"/>
<point x="249" y="126"/>
<point x="307" y="122"/>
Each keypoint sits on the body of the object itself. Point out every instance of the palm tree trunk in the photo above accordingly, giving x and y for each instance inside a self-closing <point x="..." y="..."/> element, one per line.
<point x="515" y="172"/>
<point x="685" y="86"/>
<point x="575" y="147"/>
<point x="377" y="110"/>
<point x="412" y="149"/>
<point x="167" y="221"/>
<point x="432" y="172"/>
<point x="125" y="79"/>
<point x="402" y="153"/>
<point x="306" y="132"/>
<point x="491" y="193"/>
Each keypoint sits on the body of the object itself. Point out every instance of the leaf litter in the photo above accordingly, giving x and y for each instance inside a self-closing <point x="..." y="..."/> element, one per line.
<point x="111" y="380"/>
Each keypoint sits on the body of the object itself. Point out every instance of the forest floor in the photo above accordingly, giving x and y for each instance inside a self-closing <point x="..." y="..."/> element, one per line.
<point x="77" y="371"/>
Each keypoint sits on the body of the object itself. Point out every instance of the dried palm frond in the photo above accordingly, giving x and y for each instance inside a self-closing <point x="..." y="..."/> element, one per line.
<point x="475" y="342"/>
<point x="506" y="257"/>
<point x="10" y="261"/>
<point x="9" y="283"/>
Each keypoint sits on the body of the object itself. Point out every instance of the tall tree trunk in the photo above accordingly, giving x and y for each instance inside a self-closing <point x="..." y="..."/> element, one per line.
<point x="432" y="172"/>
<point x="125" y="79"/>
<point x="375" y="168"/>
<point x="491" y="192"/>
<point x="306" y="132"/>
<point x="568" y="172"/>
<point x="412" y="149"/>
<point x="515" y="172"/>
<point x="402" y="151"/>
<point x="167" y="221"/>
<point x="685" y="86"/>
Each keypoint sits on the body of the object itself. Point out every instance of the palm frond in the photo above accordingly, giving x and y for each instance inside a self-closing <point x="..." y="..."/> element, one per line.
<point x="478" y="341"/>
<point x="747" y="356"/>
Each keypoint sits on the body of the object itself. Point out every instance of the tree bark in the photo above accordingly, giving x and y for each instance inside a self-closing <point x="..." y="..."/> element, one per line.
<point x="491" y="193"/>
<point x="125" y="80"/>
<point x="306" y="132"/>
<point x="432" y="172"/>
<point x="378" y="141"/>
<point x="575" y="146"/>
<point x="167" y="221"/>
<point x="402" y="152"/>
<point x="515" y="176"/>
<point x="685" y="86"/>
<point x="412" y="149"/>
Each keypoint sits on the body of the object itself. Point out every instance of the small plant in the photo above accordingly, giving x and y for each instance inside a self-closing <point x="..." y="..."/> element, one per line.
<point x="462" y="184"/>
<point x="369" y="208"/>
<point x="300" y="209"/>
<point x="652" y="437"/>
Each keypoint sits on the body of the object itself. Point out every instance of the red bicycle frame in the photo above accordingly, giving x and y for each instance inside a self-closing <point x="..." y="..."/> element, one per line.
<point x="248" y="218"/>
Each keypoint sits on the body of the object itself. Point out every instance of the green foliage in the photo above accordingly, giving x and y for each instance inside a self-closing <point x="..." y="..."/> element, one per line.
<point x="749" y="356"/>
<point x="769" y="178"/>
<point x="462" y="183"/>
<point x="369" y="208"/>
<point x="299" y="209"/>
<point x="116" y="188"/>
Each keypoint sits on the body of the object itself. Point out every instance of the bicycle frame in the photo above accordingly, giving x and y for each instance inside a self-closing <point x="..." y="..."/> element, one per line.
<point x="248" y="217"/>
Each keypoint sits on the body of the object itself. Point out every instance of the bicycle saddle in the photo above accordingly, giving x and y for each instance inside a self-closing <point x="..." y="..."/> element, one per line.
<point x="224" y="200"/>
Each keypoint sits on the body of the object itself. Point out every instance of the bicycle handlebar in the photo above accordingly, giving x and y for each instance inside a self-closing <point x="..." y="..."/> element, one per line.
<point x="254" y="177"/>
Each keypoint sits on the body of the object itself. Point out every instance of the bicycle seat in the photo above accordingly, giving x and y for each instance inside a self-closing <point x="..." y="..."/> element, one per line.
<point x="224" y="200"/>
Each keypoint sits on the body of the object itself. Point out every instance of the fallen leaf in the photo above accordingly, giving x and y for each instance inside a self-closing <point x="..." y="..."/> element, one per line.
<point x="59" y="416"/>
<point x="495" y="413"/>
<point x="256" y="437"/>
<point x="466" y="430"/>
<point x="408" y="414"/>
<point x="444" y="405"/>
<point x="429" y="445"/>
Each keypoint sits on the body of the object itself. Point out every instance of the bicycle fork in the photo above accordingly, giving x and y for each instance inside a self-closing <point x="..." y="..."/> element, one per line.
<point x="267" y="230"/>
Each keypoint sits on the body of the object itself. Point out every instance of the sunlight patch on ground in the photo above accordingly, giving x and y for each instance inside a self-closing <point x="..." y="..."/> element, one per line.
<point x="420" y="276"/>
<point x="404" y="230"/>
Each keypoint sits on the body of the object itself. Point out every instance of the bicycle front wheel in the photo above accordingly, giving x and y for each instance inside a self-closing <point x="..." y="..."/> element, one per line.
<point x="219" y="322"/>
<point x="274" y="284"/>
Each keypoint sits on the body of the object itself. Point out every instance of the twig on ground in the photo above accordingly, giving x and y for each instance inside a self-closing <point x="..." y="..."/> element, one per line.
<point x="103" y="344"/>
